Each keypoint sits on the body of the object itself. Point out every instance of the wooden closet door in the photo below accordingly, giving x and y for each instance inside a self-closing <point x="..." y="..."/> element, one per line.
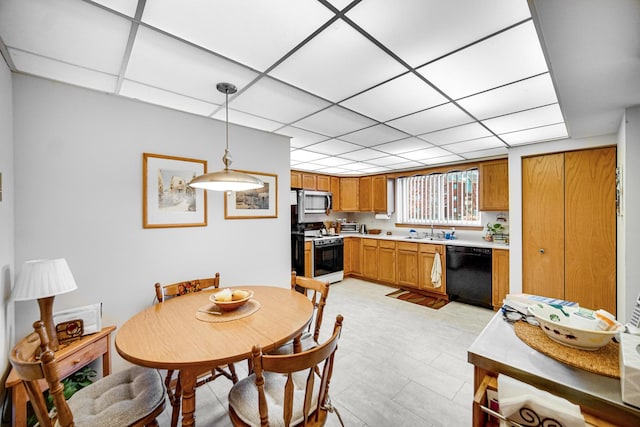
<point x="543" y="225"/>
<point x="590" y="228"/>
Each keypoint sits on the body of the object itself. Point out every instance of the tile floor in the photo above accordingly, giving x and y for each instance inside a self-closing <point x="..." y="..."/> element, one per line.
<point x="398" y="364"/>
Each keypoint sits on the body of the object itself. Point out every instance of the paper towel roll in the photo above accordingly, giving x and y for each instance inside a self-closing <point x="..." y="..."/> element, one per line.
<point x="383" y="216"/>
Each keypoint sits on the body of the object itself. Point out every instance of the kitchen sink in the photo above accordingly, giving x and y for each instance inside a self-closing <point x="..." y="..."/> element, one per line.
<point x="435" y="239"/>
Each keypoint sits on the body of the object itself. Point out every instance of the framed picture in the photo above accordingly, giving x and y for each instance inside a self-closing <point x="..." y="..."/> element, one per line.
<point x="167" y="199"/>
<point x="258" y="203"/>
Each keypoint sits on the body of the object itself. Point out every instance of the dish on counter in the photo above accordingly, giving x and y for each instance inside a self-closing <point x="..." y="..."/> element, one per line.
<point x="572" y="326"/>
<point x="231" y="299"/>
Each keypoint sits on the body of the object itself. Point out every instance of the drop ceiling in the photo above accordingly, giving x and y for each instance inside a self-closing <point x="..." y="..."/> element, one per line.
<point x="360" y="86"/>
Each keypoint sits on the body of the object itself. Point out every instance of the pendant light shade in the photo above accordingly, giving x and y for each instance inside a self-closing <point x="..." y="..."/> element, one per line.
<point x="226" y="179"/>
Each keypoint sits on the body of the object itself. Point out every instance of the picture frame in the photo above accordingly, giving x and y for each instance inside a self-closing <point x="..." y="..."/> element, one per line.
<point x="252" y="204"/>
<point x="167" y="199"/>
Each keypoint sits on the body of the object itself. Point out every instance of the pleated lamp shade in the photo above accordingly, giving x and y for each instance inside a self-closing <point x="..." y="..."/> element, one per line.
<point x="43" y="278"/>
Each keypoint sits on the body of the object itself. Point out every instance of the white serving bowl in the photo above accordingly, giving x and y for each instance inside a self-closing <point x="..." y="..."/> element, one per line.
<point x="569" y="326"/>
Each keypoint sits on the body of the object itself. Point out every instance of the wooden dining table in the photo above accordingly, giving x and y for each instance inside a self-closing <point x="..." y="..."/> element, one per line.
<point x="172" y="334"/>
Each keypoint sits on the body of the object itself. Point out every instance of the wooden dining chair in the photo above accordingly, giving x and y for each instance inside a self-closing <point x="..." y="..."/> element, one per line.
<point x="288" y="389"/>
<point x="318" y="292"/>
<point x="133" y="397"/>
<point x="172" y="382"/>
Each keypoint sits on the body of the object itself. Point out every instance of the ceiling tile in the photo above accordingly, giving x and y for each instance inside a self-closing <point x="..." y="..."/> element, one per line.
<point x="271" y="99"/>
<point x="253" y="32"/>
<point x="306" y="156"/>
<point x="167" y="99"/>
<point x="387" y="161"/>
<point x="535" y="117"/>
<point x="333" y="147"/>
<point x="248" y="120"/>
<point x="374" y="135"/>
<point x="362" y="155"/>
<point x="332" y="161"/>
<point x="427" y="153"/>
<point x="485" y="153"/>
<point x="403" y="146"/>
<point x="374" y="169"/>
<point x="334" y="121"/>
<point x="335" y="171"/>
<point x="356" y="168"/>
<point x="456" y="134"/>
<point x="70" y="31"/>
<point x="475" y="145"/>
<point x="300" y="137"/>
<point x="509" y="56"/>
<point x="436" y="118"/>
<point x="161" y="61"/>
<point x="398" y="97"/>
<point x="443" y="159"/>
<point x="427" y="29"/>
<point x="407" y="165"/>
<point x="337" y="63"/>
<point x="309" y="166"/>
<point x="63" y="72"/>
<point x="126" y="7"/>
<point x="544" y="133"/>
<point x="340" y="4"/>
<point x="530" y="93"/>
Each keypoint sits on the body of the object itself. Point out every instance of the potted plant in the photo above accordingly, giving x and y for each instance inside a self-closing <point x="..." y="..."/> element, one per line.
<point x="493" y="229"/>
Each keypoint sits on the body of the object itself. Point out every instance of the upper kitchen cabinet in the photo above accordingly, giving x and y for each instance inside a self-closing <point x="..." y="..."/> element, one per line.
<point x="296" y="179"/>
<point x="309" y="181"/>
<point x="382" y="194"/>
<point x="335" y="191"/>
<point x="349" y="194"/>
<point x="494" y="185"/>
<point x="364" y="195"/>
<point x="569" y="227"/>
<point x="323" y="183"/>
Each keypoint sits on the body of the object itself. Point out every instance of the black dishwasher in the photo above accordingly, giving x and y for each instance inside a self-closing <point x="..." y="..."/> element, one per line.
<point x="469" y="275"/>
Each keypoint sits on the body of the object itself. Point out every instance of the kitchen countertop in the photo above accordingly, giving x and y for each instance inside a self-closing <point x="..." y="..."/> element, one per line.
<point x="497" y="349"/>
<point x="456" y="242"/>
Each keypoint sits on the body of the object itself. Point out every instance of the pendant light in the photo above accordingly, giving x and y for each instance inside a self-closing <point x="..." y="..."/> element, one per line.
<point x="226" y="179"/>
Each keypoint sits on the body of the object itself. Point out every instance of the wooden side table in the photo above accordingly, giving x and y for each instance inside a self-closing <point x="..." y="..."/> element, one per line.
<point x="71" y="358"/>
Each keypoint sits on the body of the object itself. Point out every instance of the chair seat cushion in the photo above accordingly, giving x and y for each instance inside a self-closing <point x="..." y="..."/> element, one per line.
<point x="243" y="398"/>
<point x="306" y="341"/>
<point x="118" y="399"/>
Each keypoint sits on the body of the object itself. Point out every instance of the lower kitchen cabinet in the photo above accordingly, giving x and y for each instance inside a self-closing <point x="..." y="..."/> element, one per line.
<point x="308" y="268"/>
<point x="426" y="254"/>
<point x="407" y="260"/>
<point x="352" y="256"/>
<point x="370" y="259"/>
<point x="499" y="277"/>
<point x="387" y="261"/>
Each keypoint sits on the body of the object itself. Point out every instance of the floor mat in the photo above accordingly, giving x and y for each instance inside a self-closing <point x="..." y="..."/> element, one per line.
<point x="420" y="299"/>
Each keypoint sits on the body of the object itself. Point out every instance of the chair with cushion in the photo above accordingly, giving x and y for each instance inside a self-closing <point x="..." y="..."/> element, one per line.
<point x="317" y="291"/>
<point x="287" y="389"/>
<point x="174" y="390"/>
<point x="133" y="397"/>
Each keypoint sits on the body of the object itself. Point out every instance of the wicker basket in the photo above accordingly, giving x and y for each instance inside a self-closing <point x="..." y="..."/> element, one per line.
<point x="374" y="231"/>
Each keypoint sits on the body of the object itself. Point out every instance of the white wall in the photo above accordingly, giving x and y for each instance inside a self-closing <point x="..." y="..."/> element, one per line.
<point x="6" y="221"/>
<point x="78" y="184"/>
<point x="629" y="226"/>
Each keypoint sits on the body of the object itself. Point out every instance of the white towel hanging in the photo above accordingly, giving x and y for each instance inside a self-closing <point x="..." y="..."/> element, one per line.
<point x="436" y="271"/>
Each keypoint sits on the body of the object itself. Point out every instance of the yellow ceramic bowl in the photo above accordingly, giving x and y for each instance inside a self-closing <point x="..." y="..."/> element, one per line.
<point x="220" y="299"/>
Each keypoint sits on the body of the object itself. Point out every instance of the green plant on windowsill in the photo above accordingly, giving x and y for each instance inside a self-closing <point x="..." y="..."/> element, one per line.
<point x="71" y="384"/>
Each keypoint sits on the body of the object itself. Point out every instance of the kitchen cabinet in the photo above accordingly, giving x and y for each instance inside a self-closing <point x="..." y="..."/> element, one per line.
<point x="308" y="268"/>
<point x="494" y="185"/>
<point x="364" y="195"/>
<point x="323" y="183"/>
<point x="308" y="181"/>
<point x="352" y="256"/>
<point x="370" y="259"/>
<point x="296" y="179"/>
<point x="387" y="261"/>
<point x="426" y="254"/>
<point x="407" y="260"/>
<point x="335" y="191"/>
<point x="349" y="190"/>
<point x="499" y="277"/>
<point x="381" y="186"/>
<point x="569" y="223"/>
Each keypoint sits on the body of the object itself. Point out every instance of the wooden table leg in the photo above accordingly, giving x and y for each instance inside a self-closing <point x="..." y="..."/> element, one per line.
<point x="19" y="402"/>
<point x="188" y="382"/>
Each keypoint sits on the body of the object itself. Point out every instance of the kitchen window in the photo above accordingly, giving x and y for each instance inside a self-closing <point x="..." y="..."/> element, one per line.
<point x="440" y="199"/>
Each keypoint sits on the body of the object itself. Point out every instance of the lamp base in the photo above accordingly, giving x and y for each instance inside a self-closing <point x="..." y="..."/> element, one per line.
<point x="46" y="315"/>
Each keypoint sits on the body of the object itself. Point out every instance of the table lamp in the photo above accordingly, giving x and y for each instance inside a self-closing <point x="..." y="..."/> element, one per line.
<point x="43" y="279"/>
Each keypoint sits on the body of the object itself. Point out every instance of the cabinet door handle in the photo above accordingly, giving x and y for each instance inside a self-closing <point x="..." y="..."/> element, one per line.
<point x="76" y="361"/>
<point x="541" y="251"/>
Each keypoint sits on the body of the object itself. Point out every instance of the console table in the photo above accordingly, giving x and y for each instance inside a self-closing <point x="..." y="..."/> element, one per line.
<point x="71" y="357"/>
